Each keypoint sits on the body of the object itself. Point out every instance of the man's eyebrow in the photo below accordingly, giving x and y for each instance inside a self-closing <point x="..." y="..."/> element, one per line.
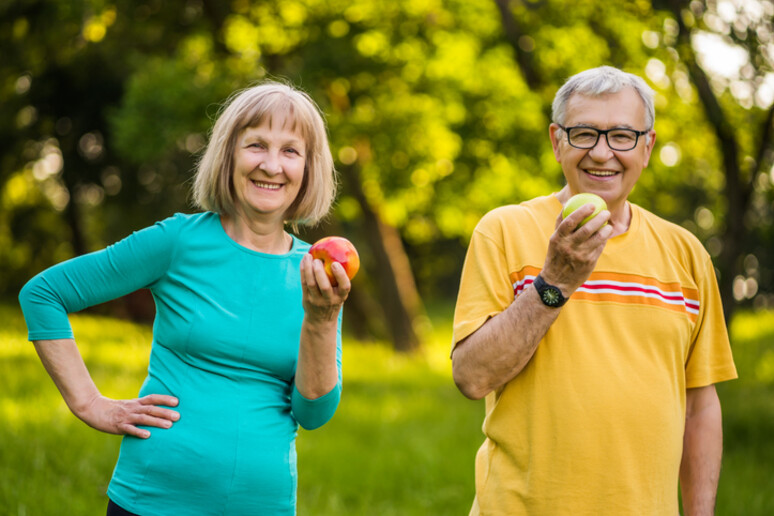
<point x="595" y="126"/>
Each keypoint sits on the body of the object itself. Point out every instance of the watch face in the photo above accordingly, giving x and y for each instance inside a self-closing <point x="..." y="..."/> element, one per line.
<point x="552" y="296"/>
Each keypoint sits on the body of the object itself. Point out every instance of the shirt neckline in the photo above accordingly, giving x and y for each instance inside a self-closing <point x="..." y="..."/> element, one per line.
<point x="222" y="232"/>
<point x="623" y="238"/>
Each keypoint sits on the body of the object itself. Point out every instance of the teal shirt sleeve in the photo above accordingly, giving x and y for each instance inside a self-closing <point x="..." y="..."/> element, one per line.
<point x="312" y="414"/>
<point x="128" y="265"/>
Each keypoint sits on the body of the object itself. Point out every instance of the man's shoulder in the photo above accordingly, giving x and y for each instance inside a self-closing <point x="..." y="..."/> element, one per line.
<point x="534" y="209"/>
<point x="675" y="235"/>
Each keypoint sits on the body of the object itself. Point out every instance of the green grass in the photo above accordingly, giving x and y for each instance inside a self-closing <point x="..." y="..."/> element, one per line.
<point x="402" y="442"/>
<point x="747" y="478"/>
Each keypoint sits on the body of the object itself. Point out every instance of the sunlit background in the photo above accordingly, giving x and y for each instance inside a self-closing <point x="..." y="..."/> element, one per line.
<point x="438" y="112"/>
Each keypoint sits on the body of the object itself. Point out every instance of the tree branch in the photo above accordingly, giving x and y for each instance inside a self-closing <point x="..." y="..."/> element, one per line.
<point x="765" y="145"/>
<point x="737" y="192"/>
<point x="512" y="35"/>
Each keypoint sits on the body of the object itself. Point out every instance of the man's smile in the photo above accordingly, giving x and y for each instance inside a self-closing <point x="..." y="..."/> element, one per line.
<point x="600" y="173"/>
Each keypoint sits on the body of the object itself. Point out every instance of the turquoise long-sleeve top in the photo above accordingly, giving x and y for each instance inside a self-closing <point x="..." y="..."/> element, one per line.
<point x="225" y="343"/>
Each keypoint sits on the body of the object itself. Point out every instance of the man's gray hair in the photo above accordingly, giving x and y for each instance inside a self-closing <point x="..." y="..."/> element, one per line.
<point x="601" y="81"/>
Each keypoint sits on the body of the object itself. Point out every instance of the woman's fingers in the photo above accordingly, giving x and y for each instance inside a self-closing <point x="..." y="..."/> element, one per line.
<point x="318" y="286"/>
<point x="124" y="416"/>
<point x="307" y="272"/>
<point x="159" y="399"/>
<point x="342" y="279"/>
<point x="321" y="277"/>
<point x="127" y="429"/>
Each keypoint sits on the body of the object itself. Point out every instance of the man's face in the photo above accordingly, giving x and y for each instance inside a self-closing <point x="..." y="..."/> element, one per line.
<point x="611" y="174"/>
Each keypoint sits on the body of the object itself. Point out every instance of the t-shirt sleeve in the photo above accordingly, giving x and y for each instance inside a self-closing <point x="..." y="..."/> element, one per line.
<point x="133" y="263"/>
<point x="485" y="286"/>
<point x="709" y="359"/>
<point x="312" y="414"/>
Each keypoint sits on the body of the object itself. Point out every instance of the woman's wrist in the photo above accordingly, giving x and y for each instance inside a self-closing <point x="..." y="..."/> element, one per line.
<point x="322" y="319"/>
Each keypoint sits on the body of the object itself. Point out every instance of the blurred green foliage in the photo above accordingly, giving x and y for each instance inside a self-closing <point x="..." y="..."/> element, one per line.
<point x="105" y="104"/>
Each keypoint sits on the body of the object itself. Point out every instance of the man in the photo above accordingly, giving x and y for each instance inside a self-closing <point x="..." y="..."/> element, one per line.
<point x="597" y="346"/>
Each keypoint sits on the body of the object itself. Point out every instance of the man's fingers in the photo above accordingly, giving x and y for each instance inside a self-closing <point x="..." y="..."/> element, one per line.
<point x="570" y="223"/>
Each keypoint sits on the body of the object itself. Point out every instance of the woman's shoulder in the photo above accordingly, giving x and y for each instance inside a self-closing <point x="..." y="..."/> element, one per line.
<point x="189" y="222"/>
<point x="180" y="227"/>
<point x="300" y="247"/>
<point x="189" y="219"/>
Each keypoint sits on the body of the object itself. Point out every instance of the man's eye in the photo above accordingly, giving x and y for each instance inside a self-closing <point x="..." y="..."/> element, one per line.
<point x="584" y="135"/>
<point x="622" y="137"/>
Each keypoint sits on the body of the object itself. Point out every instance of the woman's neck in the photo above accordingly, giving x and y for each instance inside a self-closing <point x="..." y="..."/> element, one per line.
<point x="264" y="237"/>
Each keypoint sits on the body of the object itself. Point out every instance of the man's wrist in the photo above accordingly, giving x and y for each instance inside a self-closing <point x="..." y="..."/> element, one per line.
<point x="551" y="295"/>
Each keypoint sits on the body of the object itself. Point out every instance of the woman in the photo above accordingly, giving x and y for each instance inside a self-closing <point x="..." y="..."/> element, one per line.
<point x="245" y="348"/>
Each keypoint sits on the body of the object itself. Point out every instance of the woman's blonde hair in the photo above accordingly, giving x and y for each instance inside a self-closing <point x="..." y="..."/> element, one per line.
<point x="268" y="102"/>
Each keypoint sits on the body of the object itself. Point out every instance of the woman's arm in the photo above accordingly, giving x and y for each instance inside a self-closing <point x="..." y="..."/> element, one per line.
<point x="133" y="263"/>
<point x="65" y="365"/>
<point x="318" y="373"/>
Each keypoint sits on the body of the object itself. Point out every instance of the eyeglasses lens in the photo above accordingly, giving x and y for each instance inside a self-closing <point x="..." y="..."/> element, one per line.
<point x="617" y="139"/>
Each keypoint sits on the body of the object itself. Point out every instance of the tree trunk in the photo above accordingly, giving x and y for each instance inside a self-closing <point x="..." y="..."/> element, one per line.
<point x="398" y="293"/>
<point x="737" y="192"/>
<point x="513" y="34"/>
<point x="73" y="214"/>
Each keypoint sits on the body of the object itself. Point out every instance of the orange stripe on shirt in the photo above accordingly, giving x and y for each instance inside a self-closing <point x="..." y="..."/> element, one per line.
<point x="625" y="288"/>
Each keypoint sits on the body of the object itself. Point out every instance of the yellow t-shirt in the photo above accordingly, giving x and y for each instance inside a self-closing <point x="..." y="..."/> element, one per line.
<point x="594" y="423"/>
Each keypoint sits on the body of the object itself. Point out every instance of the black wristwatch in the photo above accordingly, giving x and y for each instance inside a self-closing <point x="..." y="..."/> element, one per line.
<point x="549" y="294"/>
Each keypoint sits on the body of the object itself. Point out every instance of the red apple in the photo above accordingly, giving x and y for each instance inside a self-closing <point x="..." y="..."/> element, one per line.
<point x="336" y="249"/>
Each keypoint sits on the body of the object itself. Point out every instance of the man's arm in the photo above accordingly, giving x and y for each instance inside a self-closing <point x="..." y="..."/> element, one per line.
<point x="498" y="351"/>
<point x="495" y="353"/>
<point x="702" y="451"/>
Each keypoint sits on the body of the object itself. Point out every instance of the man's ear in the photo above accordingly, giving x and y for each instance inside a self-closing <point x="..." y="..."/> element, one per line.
<point x="556" y="133"/>
<point x="649" y="148"/>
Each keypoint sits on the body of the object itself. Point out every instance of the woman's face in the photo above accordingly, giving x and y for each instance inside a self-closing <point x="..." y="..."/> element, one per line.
<point x="269" y="163"/>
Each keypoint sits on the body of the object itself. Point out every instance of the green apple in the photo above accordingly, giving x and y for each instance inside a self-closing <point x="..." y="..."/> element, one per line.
<point x="576" y="201"/>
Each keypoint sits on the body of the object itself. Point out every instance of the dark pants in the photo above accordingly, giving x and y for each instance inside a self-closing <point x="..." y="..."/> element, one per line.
<point x="115" y="510"/>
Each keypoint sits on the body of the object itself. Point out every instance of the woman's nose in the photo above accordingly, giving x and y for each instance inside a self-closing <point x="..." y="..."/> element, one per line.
<point x="270" y="164"/>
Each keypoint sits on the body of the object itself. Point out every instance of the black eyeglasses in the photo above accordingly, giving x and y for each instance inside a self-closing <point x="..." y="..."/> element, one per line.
<point x="618" y="138"/>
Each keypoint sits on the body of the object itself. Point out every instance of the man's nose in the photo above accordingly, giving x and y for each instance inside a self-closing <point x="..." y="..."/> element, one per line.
<point x="601" y="151"/>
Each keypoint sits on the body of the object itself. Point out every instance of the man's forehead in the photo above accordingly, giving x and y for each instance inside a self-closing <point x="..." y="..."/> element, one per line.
<point x="623" y="108"/>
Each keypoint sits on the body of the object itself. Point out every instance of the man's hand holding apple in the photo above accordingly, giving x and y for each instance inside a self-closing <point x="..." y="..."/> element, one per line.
<point x="575" y="247"/>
